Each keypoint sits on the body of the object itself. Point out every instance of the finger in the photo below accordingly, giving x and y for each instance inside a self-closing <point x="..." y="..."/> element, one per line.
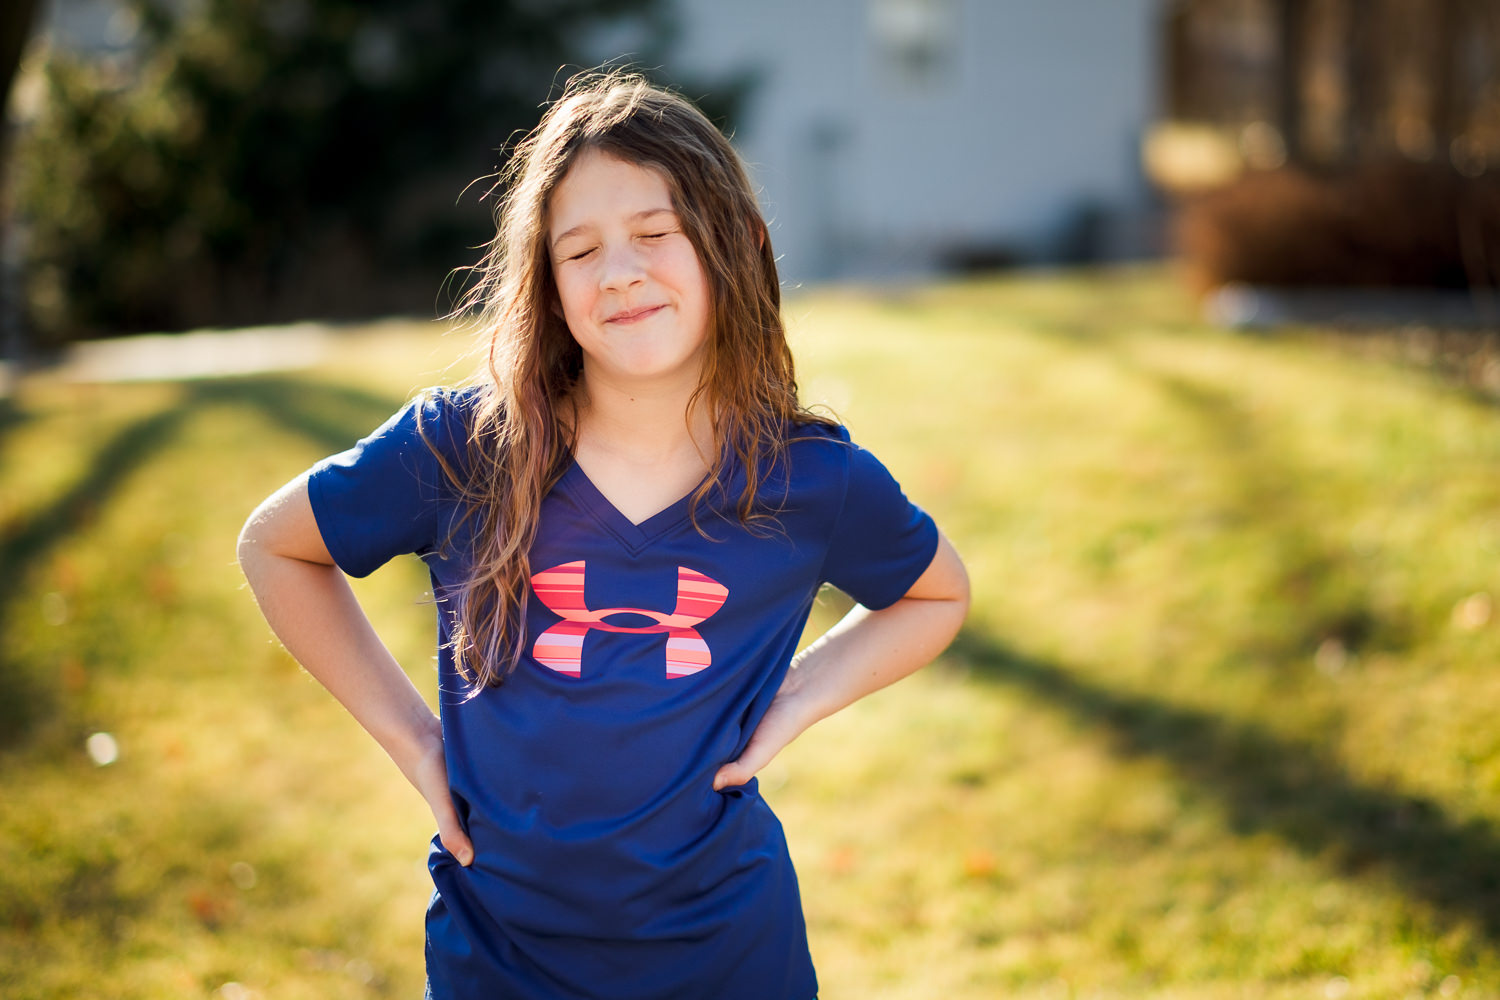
<point x="731" y="774"/>
<point x="451" y="834"/>
<point x="737" y="772"/>
<point x="456" y="843"/>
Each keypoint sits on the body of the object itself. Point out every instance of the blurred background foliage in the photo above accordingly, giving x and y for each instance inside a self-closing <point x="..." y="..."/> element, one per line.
<point x="224" y="163"/>
<point x="258" y="162"/>
<point x="1332" y="143"/>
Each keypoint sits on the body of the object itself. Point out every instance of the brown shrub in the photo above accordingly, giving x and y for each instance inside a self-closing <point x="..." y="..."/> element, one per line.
<point x="1392" y="224"/>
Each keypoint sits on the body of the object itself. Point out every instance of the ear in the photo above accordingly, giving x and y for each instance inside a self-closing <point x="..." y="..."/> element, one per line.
<point x="758" y="226"/>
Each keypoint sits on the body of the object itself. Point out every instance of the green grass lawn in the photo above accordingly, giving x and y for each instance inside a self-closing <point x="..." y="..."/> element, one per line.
<point x="1221" y="724"/>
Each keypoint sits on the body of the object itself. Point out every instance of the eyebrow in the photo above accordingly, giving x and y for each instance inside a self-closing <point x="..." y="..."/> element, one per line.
<point x="637" y="217"/>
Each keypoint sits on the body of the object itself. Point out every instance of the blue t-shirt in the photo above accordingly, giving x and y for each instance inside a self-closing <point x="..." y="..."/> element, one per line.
<point x="606" y="866"/>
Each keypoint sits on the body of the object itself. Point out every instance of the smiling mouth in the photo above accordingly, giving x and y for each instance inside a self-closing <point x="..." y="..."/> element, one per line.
<point x="634" y="315"/>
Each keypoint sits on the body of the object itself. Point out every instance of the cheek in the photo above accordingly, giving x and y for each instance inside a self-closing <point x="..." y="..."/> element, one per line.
<point x="552" y="293"/>
<point x="693" y="279"/>
<point x="570" y="296"/>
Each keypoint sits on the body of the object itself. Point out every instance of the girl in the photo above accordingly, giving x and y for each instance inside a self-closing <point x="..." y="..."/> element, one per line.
<point x="626" y="520"/>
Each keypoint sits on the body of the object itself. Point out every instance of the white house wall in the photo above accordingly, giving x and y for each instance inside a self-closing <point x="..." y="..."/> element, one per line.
<point x="1034" y="112"/>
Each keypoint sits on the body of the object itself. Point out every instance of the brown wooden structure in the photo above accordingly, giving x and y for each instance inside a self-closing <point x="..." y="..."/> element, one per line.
<point x="1340" y="82"/>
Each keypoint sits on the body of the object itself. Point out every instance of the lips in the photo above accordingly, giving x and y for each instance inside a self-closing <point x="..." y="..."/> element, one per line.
<point x="627" y="316"/>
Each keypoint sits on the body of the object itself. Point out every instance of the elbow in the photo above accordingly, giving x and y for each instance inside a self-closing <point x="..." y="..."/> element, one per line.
<point x="247" y="545"/>
<point x="951" y="580"/>
<point x="944" y="587"/>
<point x="263" y="533"/>
<point x="282" y="527"/>
<point x="960" y="600"/>
<point x="964" y="595"/>
<point x="956" y="593"/>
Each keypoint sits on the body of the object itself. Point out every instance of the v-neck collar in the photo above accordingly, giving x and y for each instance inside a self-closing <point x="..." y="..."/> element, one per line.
<point x="635" y="537"/>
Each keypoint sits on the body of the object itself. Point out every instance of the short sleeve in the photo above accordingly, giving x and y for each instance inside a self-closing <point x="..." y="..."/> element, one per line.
<point x="881" y="542"/>
<point x="379" y="499"/>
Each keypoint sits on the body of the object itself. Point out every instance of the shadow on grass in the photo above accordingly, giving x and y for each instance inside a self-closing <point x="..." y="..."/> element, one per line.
<point x="11" y="417"/>
<point x="1317" y="593"/>
<point x="333" y="417"/>
<point x="1267" y="783"/>
<point x="27" y="695"/>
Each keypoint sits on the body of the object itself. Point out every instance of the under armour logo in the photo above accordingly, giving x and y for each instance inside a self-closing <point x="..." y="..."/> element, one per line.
<point x="561" y="646"/>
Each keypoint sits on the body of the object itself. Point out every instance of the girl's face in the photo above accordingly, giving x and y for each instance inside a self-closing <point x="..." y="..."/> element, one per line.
<point x="632" y="289"/>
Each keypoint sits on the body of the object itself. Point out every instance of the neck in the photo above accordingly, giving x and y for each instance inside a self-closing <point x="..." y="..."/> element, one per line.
<point x="648" y="422"/>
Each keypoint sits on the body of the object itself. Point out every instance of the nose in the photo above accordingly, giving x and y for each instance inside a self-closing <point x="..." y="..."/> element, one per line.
<point x="622" y="268"/>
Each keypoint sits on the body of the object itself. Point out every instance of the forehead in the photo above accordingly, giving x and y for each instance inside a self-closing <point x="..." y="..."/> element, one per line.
<point x="600" y="187"/>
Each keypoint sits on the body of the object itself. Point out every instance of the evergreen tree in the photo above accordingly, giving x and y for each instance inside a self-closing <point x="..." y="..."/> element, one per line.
<point x="262" y="161"/>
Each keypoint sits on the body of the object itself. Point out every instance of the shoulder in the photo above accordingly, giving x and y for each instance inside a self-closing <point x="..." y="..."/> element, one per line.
<point x="826" y="447"/>
<point x="817" y="463"/>
<point x="444" y="418"/>
<point x="429" y="432"/>
<point x="815" y="432"/>
<point x="827" y="455"/>
<point x="818" y="445"/>
<point x="449" y="407"/>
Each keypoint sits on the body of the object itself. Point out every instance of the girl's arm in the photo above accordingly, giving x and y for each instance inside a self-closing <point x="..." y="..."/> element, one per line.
<point x="309" y="605"/>
<point x="864" y="652"/>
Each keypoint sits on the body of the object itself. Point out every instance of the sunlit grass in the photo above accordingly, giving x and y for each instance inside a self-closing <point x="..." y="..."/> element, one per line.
<point x="1220" y="725"/>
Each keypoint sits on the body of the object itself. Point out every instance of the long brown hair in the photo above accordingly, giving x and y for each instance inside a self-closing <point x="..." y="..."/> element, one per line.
<point x="518" y="443"/>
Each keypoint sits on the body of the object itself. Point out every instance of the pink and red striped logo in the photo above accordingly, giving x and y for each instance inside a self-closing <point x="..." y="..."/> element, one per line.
<point x="561" y="646"/>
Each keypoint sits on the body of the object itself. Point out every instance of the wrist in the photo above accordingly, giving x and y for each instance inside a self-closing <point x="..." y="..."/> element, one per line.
<point x="800" y="695"/>
<point x="416" y="741"/>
